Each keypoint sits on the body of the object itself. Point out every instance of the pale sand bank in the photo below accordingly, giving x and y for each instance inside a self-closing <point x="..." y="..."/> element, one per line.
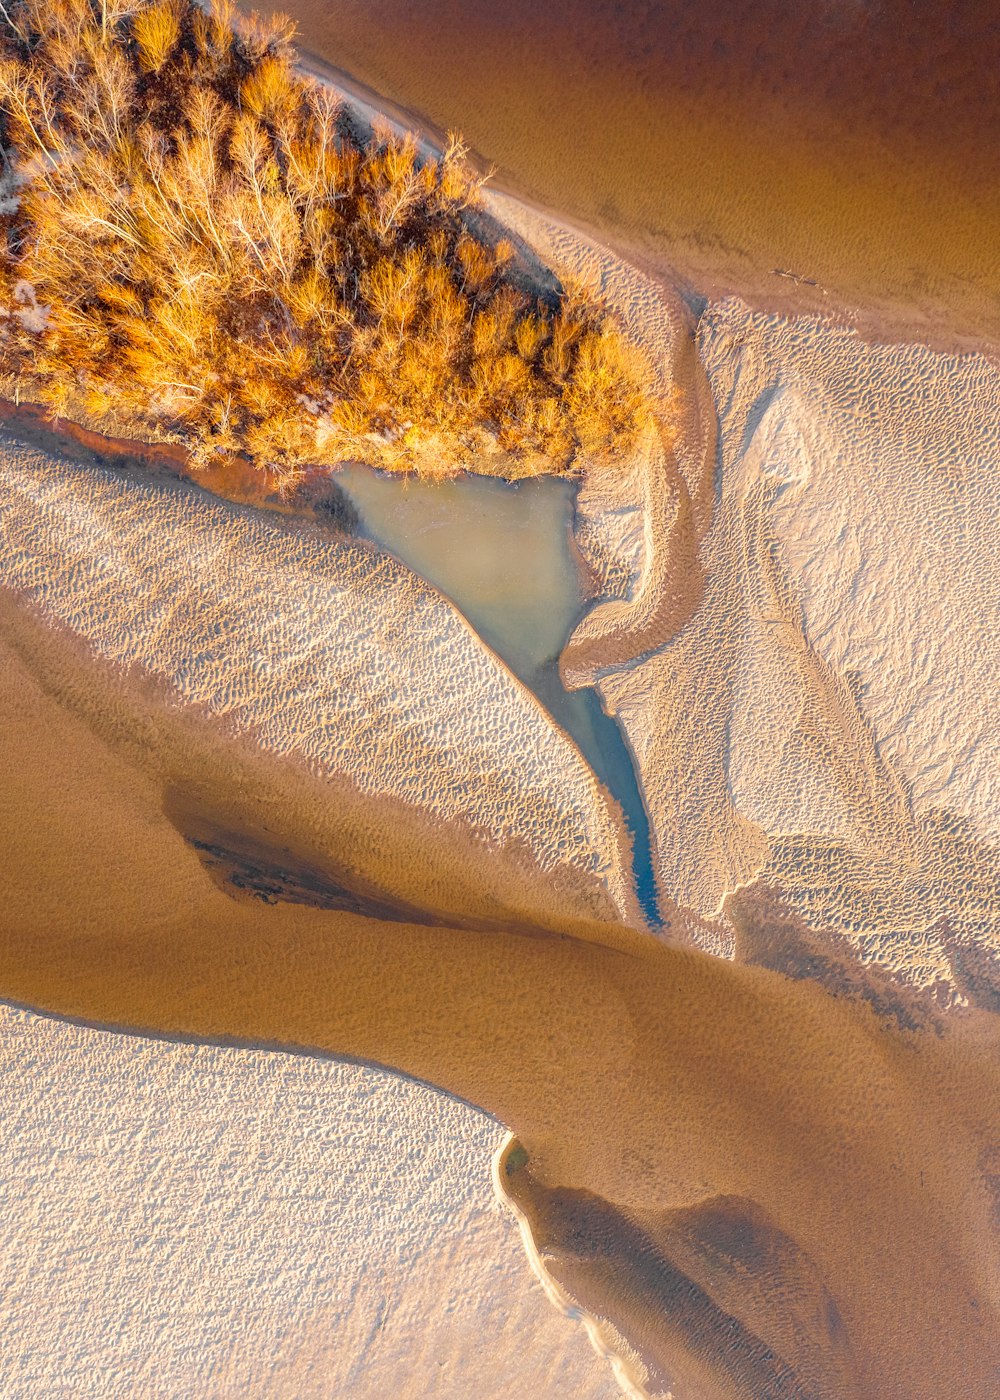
<point x="184" y="1220"/>
<point x="333" y="657"/>
<point x="764" y="668"/>
<point x="800" y="631"/>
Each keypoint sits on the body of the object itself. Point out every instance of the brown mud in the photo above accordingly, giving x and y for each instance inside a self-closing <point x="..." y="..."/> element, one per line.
<point x="823" y="156"/>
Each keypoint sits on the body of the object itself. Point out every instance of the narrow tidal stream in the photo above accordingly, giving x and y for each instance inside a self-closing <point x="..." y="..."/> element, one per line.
<point x="501" y="551"/>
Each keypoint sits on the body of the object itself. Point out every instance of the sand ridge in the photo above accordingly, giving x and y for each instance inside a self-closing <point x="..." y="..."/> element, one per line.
<point x="722" y="1135"/>
<point x="334" y="656"/>
<point x="797" y="627"/>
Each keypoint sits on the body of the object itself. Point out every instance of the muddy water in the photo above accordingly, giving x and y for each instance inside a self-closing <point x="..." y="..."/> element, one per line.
<point x="759" y="1188"/>
<point x="852" y="146"/>
<point x="498" y="549"/>
<point x="503" y="553"/>
<point x="733" y="1172"/>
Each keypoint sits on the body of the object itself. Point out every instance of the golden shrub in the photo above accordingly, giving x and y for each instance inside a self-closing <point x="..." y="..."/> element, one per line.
<point x="157" y="31"/>
<point x="270" y="91"/>
<point x="220" y="256"/>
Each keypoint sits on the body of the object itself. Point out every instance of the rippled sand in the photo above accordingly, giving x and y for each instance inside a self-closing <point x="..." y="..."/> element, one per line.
<point x="717" y="1133"/>
<point x="194" y="1220"/>
<point x="340" y="661"/>
<point x="768" y="1177"/>
<point x="799" y="634"/>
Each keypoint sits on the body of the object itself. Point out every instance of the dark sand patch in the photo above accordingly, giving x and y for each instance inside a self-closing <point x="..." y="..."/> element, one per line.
<point x="651" y="1078"/>
<point x="691" y="1293"/>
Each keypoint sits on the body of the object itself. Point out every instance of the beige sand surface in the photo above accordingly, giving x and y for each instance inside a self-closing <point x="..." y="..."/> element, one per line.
<point x="827" y="720"/>
<point x="772" y="1157"/>
<point x="333" y="658"/>
<point x="184" y="1220"/>
<point x="800" y="631"/>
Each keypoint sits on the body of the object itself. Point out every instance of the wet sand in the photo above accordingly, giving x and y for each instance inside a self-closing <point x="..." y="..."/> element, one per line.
<point x="731" y="1171"/>
<point x="644" y="1081"/>
<point x="831" y="156"/>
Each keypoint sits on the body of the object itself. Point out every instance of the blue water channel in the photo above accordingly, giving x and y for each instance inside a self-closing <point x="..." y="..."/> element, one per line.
<point x="501" y="551"/>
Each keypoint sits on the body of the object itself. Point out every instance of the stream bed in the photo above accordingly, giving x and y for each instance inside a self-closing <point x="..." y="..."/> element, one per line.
<point x="502" y="552"/>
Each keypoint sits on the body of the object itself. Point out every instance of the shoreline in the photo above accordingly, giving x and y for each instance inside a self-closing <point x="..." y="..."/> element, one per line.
<point x="645" y="1077"/>
<point x="625" y="1369"/>
<point x="606" y="131"/>
<point x="605" y="639"/>
<point x="777" y="291"/>
<point x="616" y="843"/>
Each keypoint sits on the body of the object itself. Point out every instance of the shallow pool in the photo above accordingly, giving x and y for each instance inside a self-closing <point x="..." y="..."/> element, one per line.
<point x="502" y="552"/>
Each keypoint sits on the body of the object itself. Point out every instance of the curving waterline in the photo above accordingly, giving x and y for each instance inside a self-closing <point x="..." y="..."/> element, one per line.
<point x="502" y="552"/>
<point x="623" y="1373"/>
<point x="668" y="1091"/>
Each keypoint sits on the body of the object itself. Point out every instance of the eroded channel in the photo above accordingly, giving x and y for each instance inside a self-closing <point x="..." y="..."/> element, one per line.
<point x="502" y="552"/>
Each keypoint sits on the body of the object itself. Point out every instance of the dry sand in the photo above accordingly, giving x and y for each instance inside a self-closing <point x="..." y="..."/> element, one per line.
<point x="731" y="1171"/>
<point x="184" y="1220"/>
<point x="799" y="633"/>
<point x="436" y="778"/>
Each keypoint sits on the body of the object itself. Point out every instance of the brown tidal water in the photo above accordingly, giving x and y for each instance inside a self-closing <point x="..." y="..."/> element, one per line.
<point x="852" y="145"/>
<point x="765" y="1191"/>
<point x="772" y="1191"/>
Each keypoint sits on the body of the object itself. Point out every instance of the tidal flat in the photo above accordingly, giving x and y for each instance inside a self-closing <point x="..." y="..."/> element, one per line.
<point x="637" y="830"/>
<point x="698" y="1137"/>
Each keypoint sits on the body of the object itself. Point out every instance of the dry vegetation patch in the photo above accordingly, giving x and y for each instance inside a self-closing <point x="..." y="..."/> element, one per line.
<point x="196" y="236"/>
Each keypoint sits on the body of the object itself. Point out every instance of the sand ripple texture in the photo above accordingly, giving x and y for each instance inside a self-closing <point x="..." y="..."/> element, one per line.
<point x="799" y="633"/>
<point x="433" y="776"/>
<point x="184" y="1220"/>
<point x="826" y="724"/>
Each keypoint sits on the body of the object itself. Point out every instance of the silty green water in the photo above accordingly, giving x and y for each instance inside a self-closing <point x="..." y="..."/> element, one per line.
<point x="502" y="552"/>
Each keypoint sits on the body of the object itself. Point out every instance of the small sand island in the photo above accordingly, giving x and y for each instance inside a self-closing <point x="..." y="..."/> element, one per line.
<point x="461" y="934"/>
